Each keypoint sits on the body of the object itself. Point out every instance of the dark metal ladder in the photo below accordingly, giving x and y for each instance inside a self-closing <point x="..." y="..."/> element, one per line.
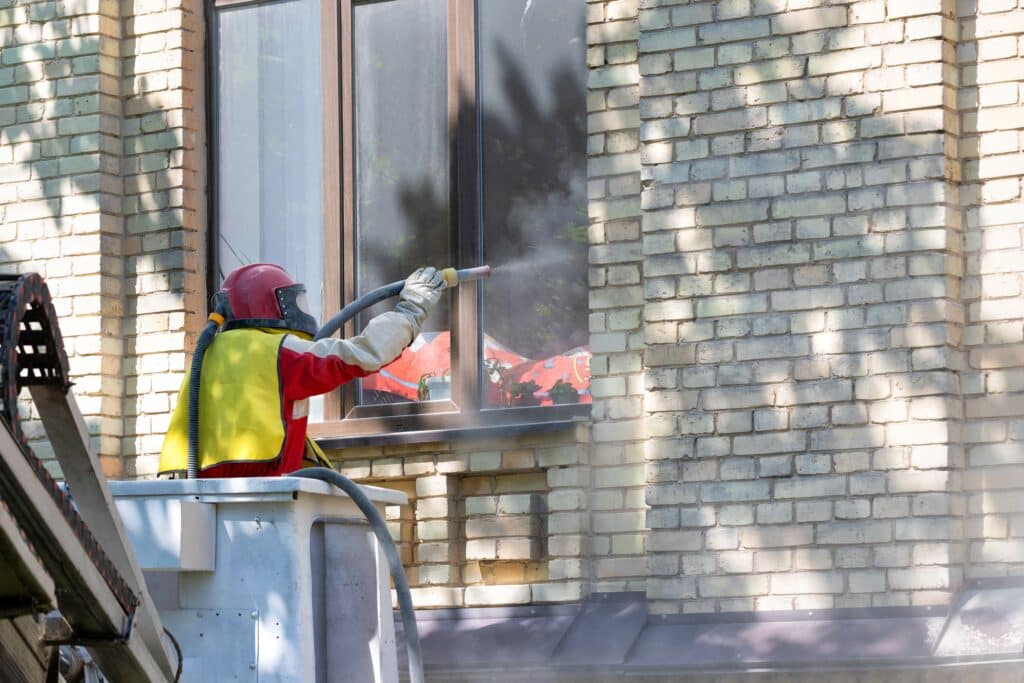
<point x="61" y="552"/>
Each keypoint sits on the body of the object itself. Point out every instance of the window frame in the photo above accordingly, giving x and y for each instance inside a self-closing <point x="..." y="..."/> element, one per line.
<point x="343" y="418"/>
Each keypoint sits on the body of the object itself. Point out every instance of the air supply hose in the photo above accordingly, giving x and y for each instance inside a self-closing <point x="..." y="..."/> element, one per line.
<point x="216" y="319"/>
<point x="452" y="276"/>
<point x="369" y="510"/>
<point x="412" y="639"/>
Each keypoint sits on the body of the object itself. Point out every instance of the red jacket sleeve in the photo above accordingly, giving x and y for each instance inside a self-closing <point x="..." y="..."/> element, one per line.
<point x="306" y="373"/>
<point x="309" y="368"/>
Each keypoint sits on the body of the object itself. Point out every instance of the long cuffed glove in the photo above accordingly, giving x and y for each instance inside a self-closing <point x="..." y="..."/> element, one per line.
<point x="320" y="366"/>
<point x="421" y="293"/>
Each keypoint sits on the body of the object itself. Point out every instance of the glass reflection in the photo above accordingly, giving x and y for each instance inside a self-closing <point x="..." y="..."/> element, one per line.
<point x="532" y="90"/>
<point x="401" y="176"/>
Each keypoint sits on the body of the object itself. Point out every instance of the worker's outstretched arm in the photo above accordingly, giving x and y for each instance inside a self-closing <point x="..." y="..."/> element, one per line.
<point x="310" y="368"/>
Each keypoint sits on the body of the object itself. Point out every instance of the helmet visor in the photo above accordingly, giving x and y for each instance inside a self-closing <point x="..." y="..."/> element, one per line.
<point x="295" y="309"/>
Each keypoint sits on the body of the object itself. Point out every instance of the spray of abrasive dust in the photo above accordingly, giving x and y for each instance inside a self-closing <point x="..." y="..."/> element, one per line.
<point x="527" y="265"/>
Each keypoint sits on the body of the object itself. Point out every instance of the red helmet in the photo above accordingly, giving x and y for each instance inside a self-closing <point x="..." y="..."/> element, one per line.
<point x="264" y="295"/>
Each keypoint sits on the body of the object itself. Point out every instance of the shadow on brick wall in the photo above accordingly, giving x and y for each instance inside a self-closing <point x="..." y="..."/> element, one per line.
<point x="992" y="263"/>
<point x="859" y="435"/>
<point x="92" y="199"/>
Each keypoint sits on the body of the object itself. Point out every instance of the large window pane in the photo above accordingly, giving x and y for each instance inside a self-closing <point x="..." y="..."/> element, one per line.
<point x="270" y="141"/>
<point x="532" y="95"/>
<point x="401" y="175"/>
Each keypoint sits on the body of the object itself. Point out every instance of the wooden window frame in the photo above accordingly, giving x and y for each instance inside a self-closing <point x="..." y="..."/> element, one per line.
<point x="343" y="417"/>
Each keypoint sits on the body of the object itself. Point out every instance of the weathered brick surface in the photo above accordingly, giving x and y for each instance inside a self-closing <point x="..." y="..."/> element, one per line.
<point x="101" y="191"/>
<point x="164" y="176"/>
<point x="813" y="197"/>
<point x="620" y="323"/>
<point x="60" y="198"/>
<point x="506" y="521"/>
<point x="990" y="57"/>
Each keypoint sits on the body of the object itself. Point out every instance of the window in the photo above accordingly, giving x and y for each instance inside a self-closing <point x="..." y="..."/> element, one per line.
<point x="355" y="141"/>
<point x="270" y="139"/>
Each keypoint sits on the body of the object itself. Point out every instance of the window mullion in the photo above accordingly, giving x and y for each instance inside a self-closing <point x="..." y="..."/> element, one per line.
<point x="332" y="68"/>
<point x="348" y="392"/>
<point x="465" y="197"/>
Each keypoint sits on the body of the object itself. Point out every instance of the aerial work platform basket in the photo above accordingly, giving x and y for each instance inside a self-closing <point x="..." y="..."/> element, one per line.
<point x="265" y="578"/>
<point x="257" y="579"/>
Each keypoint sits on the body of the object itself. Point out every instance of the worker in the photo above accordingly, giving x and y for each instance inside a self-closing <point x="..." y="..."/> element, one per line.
<point x="262" y="368"/>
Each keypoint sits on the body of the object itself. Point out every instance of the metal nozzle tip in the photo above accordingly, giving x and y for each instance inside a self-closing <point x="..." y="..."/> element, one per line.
<point x="453" y="277"/>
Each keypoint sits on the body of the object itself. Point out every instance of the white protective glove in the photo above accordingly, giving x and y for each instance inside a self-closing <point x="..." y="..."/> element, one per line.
<point x="384" y="337"/>
<point x="421" y="293"/>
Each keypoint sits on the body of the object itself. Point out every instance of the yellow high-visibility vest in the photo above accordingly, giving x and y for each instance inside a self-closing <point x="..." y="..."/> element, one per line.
<point x="241" y="416"/>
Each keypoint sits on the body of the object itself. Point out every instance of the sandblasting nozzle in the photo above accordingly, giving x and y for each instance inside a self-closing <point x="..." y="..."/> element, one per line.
<point x="453" y="277"/>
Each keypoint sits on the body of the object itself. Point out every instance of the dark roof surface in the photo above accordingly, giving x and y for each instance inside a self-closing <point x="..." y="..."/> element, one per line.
<point x="612" y="637"/>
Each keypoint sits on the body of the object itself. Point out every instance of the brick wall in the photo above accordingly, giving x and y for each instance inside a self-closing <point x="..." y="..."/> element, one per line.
<point x="499" y="522"/>
<point x="163" y="166"/>
<point x="60" y="200"/>
<point x="991" y="60"/>
<point x="101" y="187"/>
<point x="806" y="330"/>
<point x="616" y="298"/>
<point x="808" y="261"/>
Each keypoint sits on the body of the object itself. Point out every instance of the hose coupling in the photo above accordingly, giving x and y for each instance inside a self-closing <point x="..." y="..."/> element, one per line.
<point x="453" y="277"/>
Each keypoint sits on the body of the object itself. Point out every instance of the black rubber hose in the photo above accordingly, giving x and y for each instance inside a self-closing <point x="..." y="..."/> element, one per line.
<point x="193" y="398"/>
<point x="386" y="292"/>
<point x="369" y="510"/>
<point x="344" y="315"/>
<point x="195" y="373"/>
